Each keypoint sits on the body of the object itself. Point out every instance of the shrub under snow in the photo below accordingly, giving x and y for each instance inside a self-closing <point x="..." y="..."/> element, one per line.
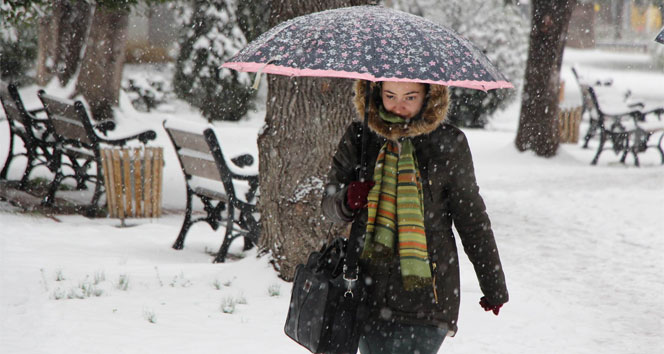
<point x="211" y="36"/>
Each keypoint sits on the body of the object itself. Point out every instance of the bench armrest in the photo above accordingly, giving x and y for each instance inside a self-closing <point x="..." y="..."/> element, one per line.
<point x="637" y="105"/>
<point x="35" y="111"/>
<point x="105" y="126"/>
<point x="243" y="160"/>
<point x="143" y="137"/>
<point x="659" y="112"/>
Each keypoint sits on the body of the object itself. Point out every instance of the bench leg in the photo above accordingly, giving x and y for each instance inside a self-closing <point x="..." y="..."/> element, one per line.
<point x="254" y="227"/>
<point x="659" y="147"/>
<point x="179" y="242"/>
<point x="627" y="149"/>
<point x="590" y="133"/>
<point x="602" y="140"/>
<point x="228" y="235"/>
<point x="79" y="174"/>
<point x="99" y="183"/>
<point x="636" y="159"/>
<point x="26" y="174"/>
<point x="248" y="244"/>
<point x="53" y="187"/>
<point x="10" y="155"/>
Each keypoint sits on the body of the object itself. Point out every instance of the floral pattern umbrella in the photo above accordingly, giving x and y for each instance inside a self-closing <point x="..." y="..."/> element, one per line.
<point x="371" y="43"/>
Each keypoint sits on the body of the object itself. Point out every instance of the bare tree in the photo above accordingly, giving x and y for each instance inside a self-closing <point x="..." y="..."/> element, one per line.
<point x="61" y="38"/>
<point x="538" y="130"/>
<point x="70" y="29"/>
<point x="304" y="121"/>
<point x="101" y="71"/>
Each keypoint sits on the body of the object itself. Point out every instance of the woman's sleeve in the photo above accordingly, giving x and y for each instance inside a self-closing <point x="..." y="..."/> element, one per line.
<point x="472" y="223"/>
<point x="342" y="172"/>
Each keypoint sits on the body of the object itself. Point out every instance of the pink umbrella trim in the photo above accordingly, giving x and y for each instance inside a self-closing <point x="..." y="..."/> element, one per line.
<point x="288" y="71"/>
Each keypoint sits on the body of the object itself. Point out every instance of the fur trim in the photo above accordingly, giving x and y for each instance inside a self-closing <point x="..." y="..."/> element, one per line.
<point x="434" y="113"/>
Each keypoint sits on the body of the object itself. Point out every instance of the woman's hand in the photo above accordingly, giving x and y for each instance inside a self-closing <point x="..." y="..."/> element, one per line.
<point x="487" y="306"/>
<point x="356" y="195"/>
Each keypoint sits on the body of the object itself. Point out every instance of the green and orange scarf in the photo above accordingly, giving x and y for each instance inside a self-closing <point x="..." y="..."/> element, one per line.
<point x="396" y="211"/>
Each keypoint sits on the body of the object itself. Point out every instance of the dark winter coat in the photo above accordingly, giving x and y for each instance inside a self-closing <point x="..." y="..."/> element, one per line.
<point x="451" y="195"/>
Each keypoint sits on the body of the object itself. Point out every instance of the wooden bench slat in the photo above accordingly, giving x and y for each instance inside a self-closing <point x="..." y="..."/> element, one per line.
<point x="199" y="167"/>
<point x="187" y="140"/>
<point x="211" y="194"/>
<point x="65" y="121"/>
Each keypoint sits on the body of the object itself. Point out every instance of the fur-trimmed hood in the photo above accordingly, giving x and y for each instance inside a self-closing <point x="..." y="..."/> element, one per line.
<point x="434" y="114"/>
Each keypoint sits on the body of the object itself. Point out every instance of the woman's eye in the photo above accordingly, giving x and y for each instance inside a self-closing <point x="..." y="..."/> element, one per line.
<point x="389" y="97"/>
<point x="410" y="98"/>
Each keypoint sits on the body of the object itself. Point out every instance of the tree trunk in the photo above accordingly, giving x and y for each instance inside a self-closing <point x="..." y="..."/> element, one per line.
<point x="304" y="121"/>
<point x="74" y="18"/>
<point x="101" y="71"/>
<point x="538" y="129"/>
<point x="46" y="50"/>
<point x="61" y="38"/>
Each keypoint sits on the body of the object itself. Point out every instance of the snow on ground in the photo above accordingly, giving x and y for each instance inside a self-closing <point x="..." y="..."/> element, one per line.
<point x="581" y="246"/>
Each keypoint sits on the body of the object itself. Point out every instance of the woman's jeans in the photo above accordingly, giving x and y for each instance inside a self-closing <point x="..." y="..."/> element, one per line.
<point x="394" y="338"/>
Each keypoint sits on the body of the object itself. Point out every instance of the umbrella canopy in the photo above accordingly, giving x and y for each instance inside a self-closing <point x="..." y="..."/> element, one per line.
<point x="370" y="43"/>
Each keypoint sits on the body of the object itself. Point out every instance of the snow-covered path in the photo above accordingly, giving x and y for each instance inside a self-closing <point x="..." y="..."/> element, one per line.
<point x="581" y="246"/>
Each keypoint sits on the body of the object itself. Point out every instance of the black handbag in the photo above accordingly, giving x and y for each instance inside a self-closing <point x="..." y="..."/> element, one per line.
<point x="325" y="306"/>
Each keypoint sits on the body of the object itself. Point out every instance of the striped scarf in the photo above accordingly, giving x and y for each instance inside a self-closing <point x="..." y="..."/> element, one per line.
<point x="396" y="212"/>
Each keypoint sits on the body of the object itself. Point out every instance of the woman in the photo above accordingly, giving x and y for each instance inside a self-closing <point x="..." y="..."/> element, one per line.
<point x="421" y="181"/>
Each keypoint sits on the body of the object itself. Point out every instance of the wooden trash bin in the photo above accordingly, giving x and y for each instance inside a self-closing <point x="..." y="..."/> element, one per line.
<point x="133" y="180"/>
<point x="568" y="125"/>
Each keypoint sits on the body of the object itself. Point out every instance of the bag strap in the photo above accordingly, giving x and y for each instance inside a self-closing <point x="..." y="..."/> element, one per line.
<point x="353" y="247"/>
<point x="352" y="257"/>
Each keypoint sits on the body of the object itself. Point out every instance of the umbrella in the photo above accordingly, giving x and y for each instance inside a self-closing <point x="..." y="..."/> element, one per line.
<point x="370" y="43"/>
<point x="660" y="36"/>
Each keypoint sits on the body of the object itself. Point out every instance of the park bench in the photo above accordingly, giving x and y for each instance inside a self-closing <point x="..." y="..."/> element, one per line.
<point x="35" y="134"/>
<point x="588" y="107"/>
<point x="217" y="184"/>
<point x="629" y="131"/>
<point x="77" y="146"/>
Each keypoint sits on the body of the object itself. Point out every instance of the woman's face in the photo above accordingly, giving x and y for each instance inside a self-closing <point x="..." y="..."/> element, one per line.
<point x="403" y="98"/>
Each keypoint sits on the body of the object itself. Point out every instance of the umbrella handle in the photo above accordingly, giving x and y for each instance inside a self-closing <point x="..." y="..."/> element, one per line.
<point x="363" y="173"/>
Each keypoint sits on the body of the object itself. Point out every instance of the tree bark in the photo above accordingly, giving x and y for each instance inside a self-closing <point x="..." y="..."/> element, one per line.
<point x="538" y="130"/>
<point x="45" y="50"/>
<point x="304" y="121"/>
<point x="74" y="18"/>
<point x="61" y="38"/>
<point x="101" y="71"/>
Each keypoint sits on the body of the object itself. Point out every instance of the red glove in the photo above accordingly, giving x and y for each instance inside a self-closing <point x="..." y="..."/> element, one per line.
<point x="356" y="195"/>
<point x="487" y="306"/>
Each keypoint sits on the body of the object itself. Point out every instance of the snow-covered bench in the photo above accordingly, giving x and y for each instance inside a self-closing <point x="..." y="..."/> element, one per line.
<point x="588" y="107"/>
<point x="227" y="192"/>
<point x="629" y="131"/>
<point x="77" y="146"/>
